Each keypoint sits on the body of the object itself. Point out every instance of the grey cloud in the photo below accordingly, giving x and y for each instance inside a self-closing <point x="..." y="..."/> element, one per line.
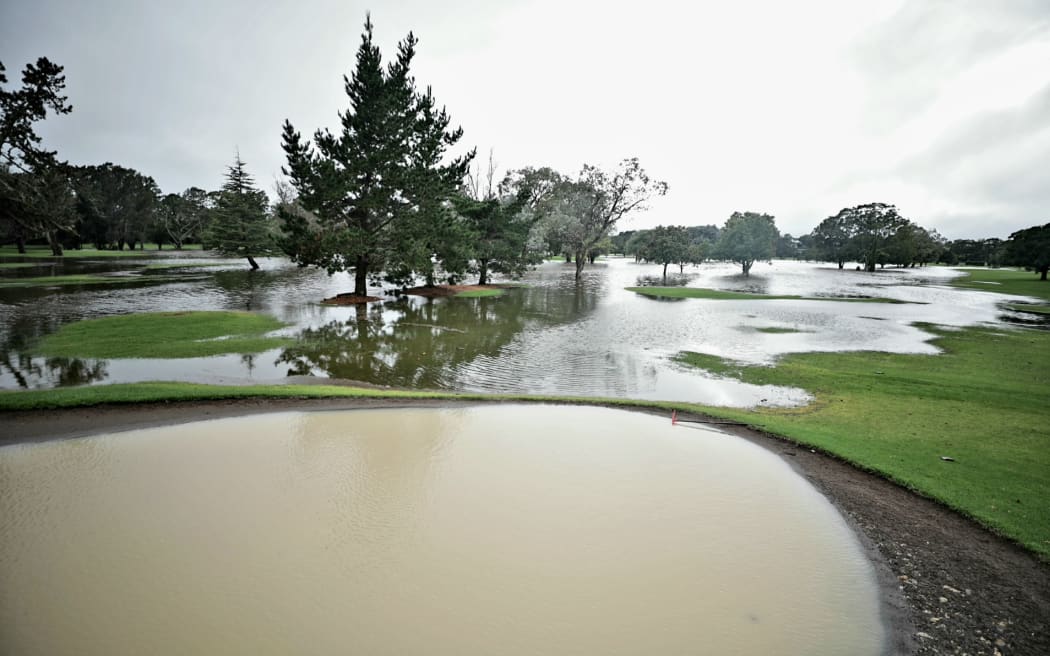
<point x="909" y="57"/>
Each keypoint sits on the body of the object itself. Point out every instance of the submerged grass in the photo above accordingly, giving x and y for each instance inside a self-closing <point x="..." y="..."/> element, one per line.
<point x="481" y="293"/>
<point x="16" y="265"/>
<point x="985" y="403"/>
<point x="721" y="295"/>
<point x="164" y="335"/>
<point x="72" y="279"/>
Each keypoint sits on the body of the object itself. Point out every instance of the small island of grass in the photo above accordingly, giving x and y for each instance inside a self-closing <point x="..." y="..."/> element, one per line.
<point x="164" y="335"/>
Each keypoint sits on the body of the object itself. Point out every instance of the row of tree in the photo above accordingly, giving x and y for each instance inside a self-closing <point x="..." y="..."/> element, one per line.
<point x="109" y="206"/>
<point x="382" y="197"/>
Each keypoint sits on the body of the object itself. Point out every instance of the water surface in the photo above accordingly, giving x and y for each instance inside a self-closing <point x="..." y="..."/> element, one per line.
<point x="550" y="337"/>
<point x="497" y="529"/>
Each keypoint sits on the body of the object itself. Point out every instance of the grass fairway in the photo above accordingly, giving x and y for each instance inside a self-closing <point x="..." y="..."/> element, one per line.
<point x="1004" y="281"/>
<point x="164" y="335"/>
<point x="985" y="402"/>
<point x="720" y="295"/>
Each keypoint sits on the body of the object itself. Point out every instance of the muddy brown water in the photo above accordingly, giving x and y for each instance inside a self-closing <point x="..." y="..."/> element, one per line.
<point x="480" y="530"/>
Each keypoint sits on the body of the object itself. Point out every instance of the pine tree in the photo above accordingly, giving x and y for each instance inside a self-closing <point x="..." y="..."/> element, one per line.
<point x="375" y="196"/>
<point x="239" y="224"/>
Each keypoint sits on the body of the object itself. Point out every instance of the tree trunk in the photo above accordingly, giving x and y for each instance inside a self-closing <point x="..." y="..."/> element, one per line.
<point x="747" y="264"/>
<point x="252" y="262"/>
<point x="568" y="258"/>
<point x="483" y="272"/>
<point x="54" y="243"/>
<point x="665" y="273"/>
<point x="1042" y="273"/>
<point x="580" y="260"/>
<point x="20" y="242"/>
<point x="361" y="276"/>
<point x="841" y="263"/>
<point x="430" y="282"/>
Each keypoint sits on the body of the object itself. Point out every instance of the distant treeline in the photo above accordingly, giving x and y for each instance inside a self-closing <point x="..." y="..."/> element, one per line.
<point x="383" y="198"/>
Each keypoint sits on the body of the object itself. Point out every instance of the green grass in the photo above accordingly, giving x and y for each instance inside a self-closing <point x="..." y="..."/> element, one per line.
<point x="16" y="265"/>
<point x="985" y="402"/>
<point x="481" y="293"/>
<point x="163" y="335"/>
<point x="44" y="251"/>
<point x="1004" y="281"/>
<point x="720" y="295"/>
<point x="74" y="279"/>
<point x="160" y="266"/>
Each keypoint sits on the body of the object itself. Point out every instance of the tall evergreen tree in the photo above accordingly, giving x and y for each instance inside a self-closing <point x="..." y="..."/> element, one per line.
<point x="375" y="196"/>
<point x="239" y="225"/>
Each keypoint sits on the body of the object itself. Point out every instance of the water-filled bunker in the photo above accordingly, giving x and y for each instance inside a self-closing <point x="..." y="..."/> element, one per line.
<point x="498" y="529"/>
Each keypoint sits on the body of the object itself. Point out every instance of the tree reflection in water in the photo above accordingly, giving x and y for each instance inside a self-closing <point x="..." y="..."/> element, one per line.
<point x="409" y="342"/>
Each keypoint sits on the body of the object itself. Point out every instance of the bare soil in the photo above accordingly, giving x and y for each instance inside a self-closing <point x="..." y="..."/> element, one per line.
<point x="439" y="291"/>
<point x="350" y="299"/>
<point x="949" y="586"/>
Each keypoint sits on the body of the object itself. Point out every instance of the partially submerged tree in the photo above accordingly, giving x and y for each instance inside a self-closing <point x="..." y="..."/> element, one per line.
<point x="747" y="237"/>
<point x="599" y="199"/>
<point x="377" y="193"/>
<point x="1030" y="248"/>
<point x="833" y="239"/>
<point x="666" y="245"/>
<point x="874" y="224"/>
<point x="239" y="226"/>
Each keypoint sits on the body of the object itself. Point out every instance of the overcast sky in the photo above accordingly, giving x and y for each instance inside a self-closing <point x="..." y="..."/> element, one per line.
<point x="796" y="109"/>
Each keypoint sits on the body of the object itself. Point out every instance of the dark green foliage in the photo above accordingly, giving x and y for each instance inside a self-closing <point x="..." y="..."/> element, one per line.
<point x="35" y="193"/>
<point x="747" y="237"/>
<point x="666" y="245"/>
<point x="833" y="239"/>
<point x="1030" y="248"/>
<point x="376" y="194"/>
<point x="116" y="206"/>
<point x="239" y="225"/>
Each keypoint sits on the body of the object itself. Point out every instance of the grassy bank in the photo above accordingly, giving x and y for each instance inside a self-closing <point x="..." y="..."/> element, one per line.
<point x="163" y="335"/>
<point x="985" y="403"/>
<point x="720" y="295"/>
<point x="151" y="250"/>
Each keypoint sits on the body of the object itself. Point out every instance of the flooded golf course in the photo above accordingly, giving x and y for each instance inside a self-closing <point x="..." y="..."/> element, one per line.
<point x="495" y="529"/>
<point x="549" y="336"/>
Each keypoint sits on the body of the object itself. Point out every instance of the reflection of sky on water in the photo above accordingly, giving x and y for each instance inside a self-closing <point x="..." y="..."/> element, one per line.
<point x="549" y="337"/>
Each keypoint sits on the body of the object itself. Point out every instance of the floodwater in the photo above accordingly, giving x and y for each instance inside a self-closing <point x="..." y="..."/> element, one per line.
<point x="549" y="337"/>
<point x="484" y="530"/>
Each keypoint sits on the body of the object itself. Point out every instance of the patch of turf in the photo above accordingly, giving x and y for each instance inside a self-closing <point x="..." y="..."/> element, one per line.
<point x="720" y="295"/>
<point x="481" y="293"/>
<point x="1004" y="281"/>
<point x="985" y="402"/>
<point x="164" y="335"/>
<point x="16" y="265"/>
<point x="160" y="266"/>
